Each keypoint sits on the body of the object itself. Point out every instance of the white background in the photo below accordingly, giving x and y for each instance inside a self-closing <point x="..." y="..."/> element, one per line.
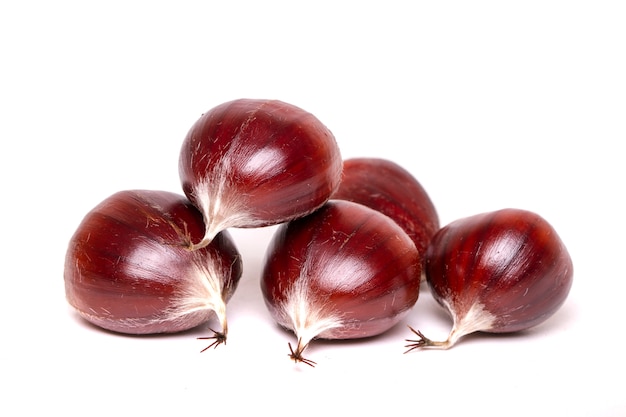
<point x="490" y="104"/>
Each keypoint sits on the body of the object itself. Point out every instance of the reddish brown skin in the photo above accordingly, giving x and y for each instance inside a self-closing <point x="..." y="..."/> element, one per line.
<point x="384" y="266"/>
<point x="512" y="261"/>
<point x="306" y="161"/>
<point x="127" y="255"/>
<point x="389" y="188"/>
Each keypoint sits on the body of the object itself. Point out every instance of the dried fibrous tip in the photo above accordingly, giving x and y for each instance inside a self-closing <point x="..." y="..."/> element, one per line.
<point x="296" y="355"/>
<point x="218" y="338"/>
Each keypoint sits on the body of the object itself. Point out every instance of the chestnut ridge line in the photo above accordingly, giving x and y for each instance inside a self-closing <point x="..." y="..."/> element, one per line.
<point x="510" y="270"/>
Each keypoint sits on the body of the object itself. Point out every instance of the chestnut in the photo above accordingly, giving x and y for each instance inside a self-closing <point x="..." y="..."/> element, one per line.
<point x="128" y="267"/>
<point x="255" y="162"/>
<point x="345" y="271"/>
<point x="497" y="272"/>
<point x="385" y="186"/>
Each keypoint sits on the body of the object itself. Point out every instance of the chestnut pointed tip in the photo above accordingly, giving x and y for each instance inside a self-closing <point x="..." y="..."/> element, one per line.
<point x="296" y="355"/>
<point x="219" y="338"/>
<point x="424" y="342"/>
<point x="200" y="245"/>
<point x="413" y="344"/>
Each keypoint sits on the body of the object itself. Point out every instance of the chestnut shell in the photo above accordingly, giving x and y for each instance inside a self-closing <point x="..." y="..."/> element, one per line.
<point x="385" y="186"/>
<point x="356" y="264"/>
<point x="128" y="267"/>
<point x="511" y="262"/>
<point x="256" y="162"/>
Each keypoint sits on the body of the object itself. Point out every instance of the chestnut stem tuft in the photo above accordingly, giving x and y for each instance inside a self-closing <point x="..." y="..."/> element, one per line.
<point x="206" y="241"/>
<point x="423" y="341"/>
<point x="297" y="355"/>
<point x="218" y="338"/>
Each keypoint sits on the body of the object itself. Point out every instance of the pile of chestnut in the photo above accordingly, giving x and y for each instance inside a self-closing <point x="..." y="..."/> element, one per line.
<point x="355" y="241"/>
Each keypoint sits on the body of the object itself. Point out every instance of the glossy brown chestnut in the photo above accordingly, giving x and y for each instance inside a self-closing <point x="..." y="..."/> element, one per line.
<point x="345" y="271"/>
<point x="385" y="186"/>
<point x="253" y="163"/>
<point x="497" y="272"/>
<point x="128" y="267"/>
